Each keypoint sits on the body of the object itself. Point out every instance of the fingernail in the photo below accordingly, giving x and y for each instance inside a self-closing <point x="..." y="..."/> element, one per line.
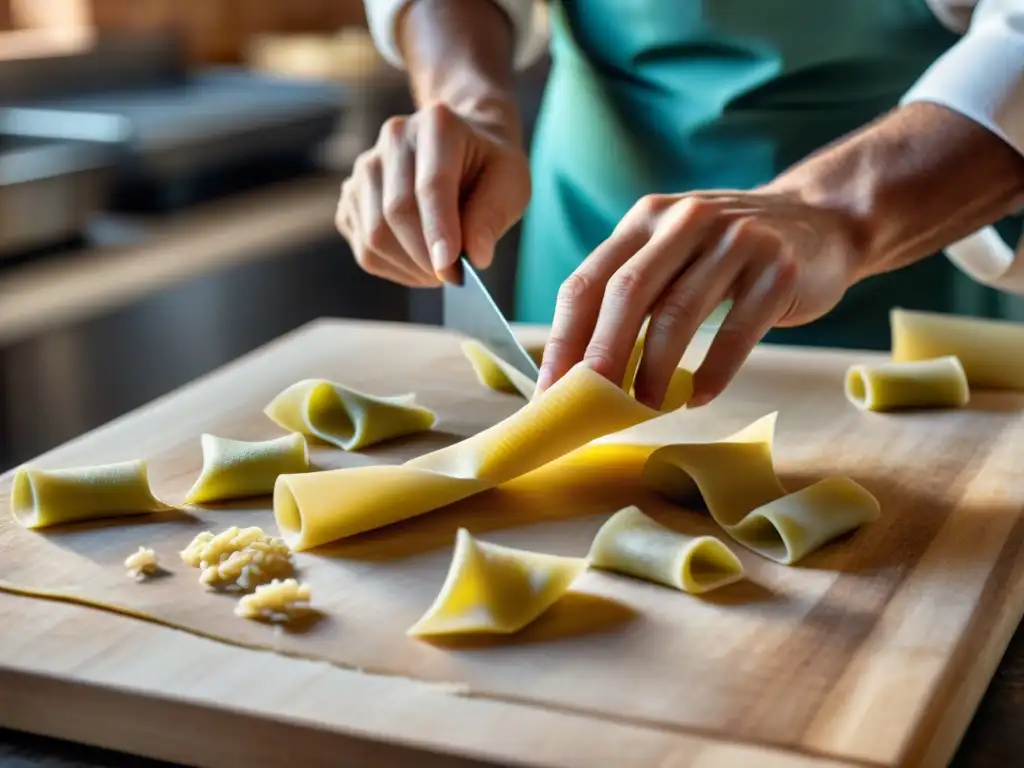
<point x="696" y="401"/>
<point x="483" y="251"/>
<point x="440" y="255"/>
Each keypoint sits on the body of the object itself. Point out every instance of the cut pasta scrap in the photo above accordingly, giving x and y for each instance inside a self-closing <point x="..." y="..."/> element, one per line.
<point x="279" y="601"/>
<point x="495" y="590"/>
<point x="345" y="417"/>
<point x="235" y="469"/>
<point x="42" y="498"/>
<point x="142" y="563"/>
<point x="632" y="543"/>
<point x="208" y="548"/>
<point x="494" y="373"/>
<point x="255" y="564"/>
<point x="937" y="383"/>
<point x="737" y="481"/>
<point x="317" y="508"/>
<point x="990" y="351"/>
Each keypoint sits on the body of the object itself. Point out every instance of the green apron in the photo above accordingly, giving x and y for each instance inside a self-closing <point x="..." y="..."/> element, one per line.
<point x="670" y="96"/>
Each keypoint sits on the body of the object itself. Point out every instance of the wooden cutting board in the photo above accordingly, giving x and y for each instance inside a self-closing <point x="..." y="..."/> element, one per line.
<point x="875" y="653"/>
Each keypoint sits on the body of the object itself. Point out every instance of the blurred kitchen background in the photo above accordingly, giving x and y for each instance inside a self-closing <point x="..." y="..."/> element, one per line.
<point x="169" y="171"/>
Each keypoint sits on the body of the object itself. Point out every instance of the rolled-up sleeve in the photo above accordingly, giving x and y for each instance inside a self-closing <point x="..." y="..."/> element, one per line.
<point x="528" y="22"/>
<point x="982" y="77"/>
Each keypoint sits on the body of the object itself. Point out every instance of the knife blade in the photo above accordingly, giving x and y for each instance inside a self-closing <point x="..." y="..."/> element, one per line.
<point x="470" y="309"/>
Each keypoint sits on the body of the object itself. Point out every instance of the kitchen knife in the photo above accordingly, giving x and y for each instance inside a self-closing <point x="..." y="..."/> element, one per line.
<point x="469" y="309"/>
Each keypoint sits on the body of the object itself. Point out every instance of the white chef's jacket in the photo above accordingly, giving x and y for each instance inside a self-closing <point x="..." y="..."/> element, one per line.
<point x="981" y="77"/>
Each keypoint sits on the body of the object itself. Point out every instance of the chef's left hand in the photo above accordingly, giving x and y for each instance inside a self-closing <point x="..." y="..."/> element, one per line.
<point x="781" y="261"/>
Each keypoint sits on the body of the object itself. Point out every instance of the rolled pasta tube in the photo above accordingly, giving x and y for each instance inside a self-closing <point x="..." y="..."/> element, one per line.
<point x="345" y="417"/>
<point x="937" y="383"/>
<point x="632" y="543"/>
<point x="490" y="589"/>
<point x="234" y="469"/>
<point x="320" y="507"/>
<point x="42" y="498"/>
<point x="737" y="480"/>
<point x="990" y="351"/>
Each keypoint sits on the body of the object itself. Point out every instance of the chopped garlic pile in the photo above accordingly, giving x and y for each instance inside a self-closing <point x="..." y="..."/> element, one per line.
<point x="142" y="563"/>
<point x="238" y="558"/>
<point x="277" y="601"/>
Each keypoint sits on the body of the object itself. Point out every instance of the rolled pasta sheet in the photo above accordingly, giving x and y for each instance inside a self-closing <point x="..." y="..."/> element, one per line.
<point x="736" y="479"/>
<point x="938" y="383"/>
<point x="42" y="498"/>
<point x="320" y="507"/>
<point x="990" y="351"/>
<point x="345" y="417"/>
<point x="632" y="543"/>
<point x="492" y="589"/>
<point x="234" y="469"/>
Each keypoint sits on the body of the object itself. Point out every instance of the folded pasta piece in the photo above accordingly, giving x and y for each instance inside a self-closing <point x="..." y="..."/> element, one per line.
<point x="345" y="417"/>
<point x="42" y="498"/>
<point x="991" y="351"/>
<point x="493" y="372"/>
<point x="494" y="589"/>
<point x="234" y="469"/>
<point x="937" y="383"/>
<point x="316" y="508"/>
<point x="737" y="481"/>
<point x="632" y="543"/>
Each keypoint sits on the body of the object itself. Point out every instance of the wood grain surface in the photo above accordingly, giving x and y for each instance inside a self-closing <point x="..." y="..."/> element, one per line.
<point x="876" y="652"/>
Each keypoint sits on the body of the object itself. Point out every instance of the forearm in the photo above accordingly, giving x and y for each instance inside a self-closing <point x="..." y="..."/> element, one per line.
<point x="460" y="53"/>
<point x="912" y="183"/>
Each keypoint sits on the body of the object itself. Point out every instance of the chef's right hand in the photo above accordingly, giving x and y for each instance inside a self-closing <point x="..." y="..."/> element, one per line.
<point x="435" y="184"/>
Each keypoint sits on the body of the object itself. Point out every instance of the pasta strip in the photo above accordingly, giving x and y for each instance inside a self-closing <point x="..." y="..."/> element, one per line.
<point x="991" y="351"/>
<point x="494" y="589"/>
<point x="937" y="383"/>
<point x="632" y="543"/>
<point x="345" y="417"/>
<point x="234" y="469"/>
<point x="42" y="498"/>
<point x="737" y="481"/>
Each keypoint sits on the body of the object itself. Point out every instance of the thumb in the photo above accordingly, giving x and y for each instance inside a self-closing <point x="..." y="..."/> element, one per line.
<point x="493" y="205"/>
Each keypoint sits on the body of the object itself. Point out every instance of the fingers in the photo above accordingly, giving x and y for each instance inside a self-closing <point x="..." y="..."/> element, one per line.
<point x="679" y="312"/>
<point x="398" y="199"/>
<point x="495" y="202"/>
<point x="440" y="159"/>
<point x="763" y="294"/>
<point x="379" y="253"/>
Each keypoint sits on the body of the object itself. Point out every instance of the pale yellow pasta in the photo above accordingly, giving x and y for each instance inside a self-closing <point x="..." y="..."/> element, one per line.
<point x="737" y="481"/>
<point x="234" y="469"/>
<point x="320" y="507"/>
<point x="258" y="563"/>
<point x="937" y="383"/>
<point x="495" y="590"/>
<point x="345" y="417"/>
<point x="41" y="498"/>
<point x="279" y="601"/>
<point x="991" y="351"/>
<point x="632" y="543"/>
<point x="142" y="563"/>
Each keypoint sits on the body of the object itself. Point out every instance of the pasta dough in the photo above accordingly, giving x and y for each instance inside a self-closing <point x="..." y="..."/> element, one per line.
<point x="495" y="373"/>
<point x="233" y="469"/>
<point x="737" y="481"/>
<point x="632" y="543"/>
<point x="937" y="383"/>
<point x="495" y="589"/>
<point x="142" y="563"/>
<point x="238" y="558"/>
<point x="345" y="417"/>
<point x="320" y="507"/>
<point x="42" y="498"/>
<point x="279" y="601"/>
<point x="991" y="351"/>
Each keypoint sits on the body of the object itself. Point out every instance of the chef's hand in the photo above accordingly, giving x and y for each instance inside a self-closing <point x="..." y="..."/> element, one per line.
<point x="676" y="258"/>
<point x="436" y="183"/>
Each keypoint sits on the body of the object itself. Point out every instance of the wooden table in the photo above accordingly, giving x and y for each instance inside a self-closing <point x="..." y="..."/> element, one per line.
<point x="103" y="689"/>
